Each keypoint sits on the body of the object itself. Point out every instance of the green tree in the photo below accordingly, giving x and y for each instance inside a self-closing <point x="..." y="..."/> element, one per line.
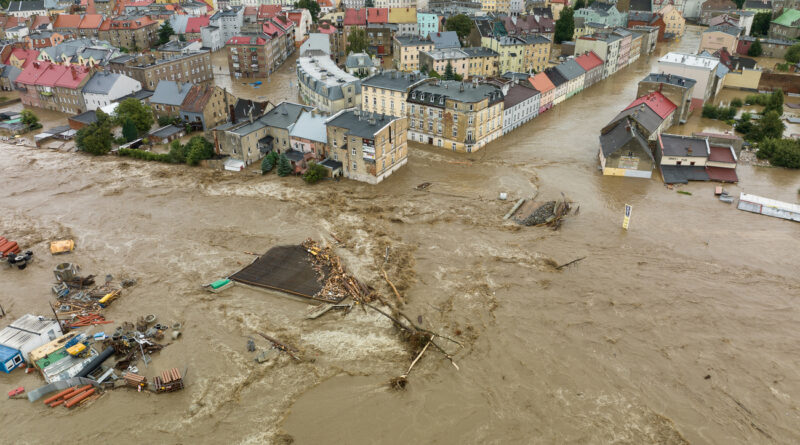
<point x="793" y="53"/>
<point x="433" y="73"/>
<point x="770" y="126"/>
<point x="565" y="25"/>
<point x="284" y="166"/>
<point x="760" y="25"/>
<point x="312" y="6"/>
<point x="198" y="149"/>
<point x="96" y="137"/>
<point x="182" y="38"/>
<point x="775" y="102"/>
<point x="139" y="113"/>
<point x="780" y="152"/>
<point x="461" y="24"/>
<point x="580" y="4"/>
<point x="30" y="119"/>
<point x="165" y="32"/>
<point x="177" y="152"/>
<point x="448" y="71"/>
<point x="314" y="173"/>
<point x="736" y="103"/>
<point x="267" y="164"/>
<point x="369" y="4"/>
<point x="129" y="131"/>
<point x="739" y="3"/>
<point x="357" y="40"/>
<point x="755" y="49"/>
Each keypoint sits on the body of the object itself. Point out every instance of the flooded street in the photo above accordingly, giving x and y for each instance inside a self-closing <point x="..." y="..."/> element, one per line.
<point x="681" y="330"/>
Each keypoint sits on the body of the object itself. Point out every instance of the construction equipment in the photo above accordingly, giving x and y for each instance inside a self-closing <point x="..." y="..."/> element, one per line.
<point x="62" y="246"/>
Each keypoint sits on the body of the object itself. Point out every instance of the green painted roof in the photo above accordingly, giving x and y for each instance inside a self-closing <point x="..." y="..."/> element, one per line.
<point x="788" y="18"/>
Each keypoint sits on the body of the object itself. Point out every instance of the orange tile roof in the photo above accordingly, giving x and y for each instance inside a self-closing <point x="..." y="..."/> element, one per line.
<point x="91" y="21"/>
<point x="67" y="21"/>
<point x="542" y="83"/>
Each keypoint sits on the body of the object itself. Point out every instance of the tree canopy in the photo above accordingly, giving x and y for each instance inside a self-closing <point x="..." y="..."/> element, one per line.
<point x="312" y="6"/>
<point x="565" y="25"/>
<point x="739" y="3"/>
<point x="198" y="149"/>
<point x="780" y="152"/>
<point x="165" y="32"/>
<point x="580" y="4"/>
<point x="30" y="119"/>
<point x="755" y="49"/>
<point x="136" y="111"/>
<point x="461" y="24"/>
<point x="357" y="40"/>
<point x="314" y="173"/>
<point x="793" y="53"/>
<point x="761" y="24"/>
<point x="129" y="131"/>
<point x="284" y="166"/>
<point x="448" y="71"/>
<point x="96" y="137"/>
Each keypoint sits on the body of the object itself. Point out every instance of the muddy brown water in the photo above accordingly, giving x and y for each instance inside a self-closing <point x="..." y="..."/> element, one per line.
<point x="614" y="349"/>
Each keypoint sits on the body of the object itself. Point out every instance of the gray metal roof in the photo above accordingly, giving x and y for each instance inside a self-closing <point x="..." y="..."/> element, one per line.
<point x="517" y="94"/>
<point x="29" y="5"/>
<point x="102" y="82"/>
<point x="284" y="115"/>
<point x="670" y="79"/>
<point x="310" y="126"/>
<point x="412" y="40"/>
<point x="358" y="60"/>
<point x="316" y="43"/>
<point x="432" y="92"/>
<point x="363" y="124"/>
<point x="393" y="80"/>
<point x="682" y="174"/>
<point x="169" y="92"/>
<point x="10" y="72"/>
<point x="677" y="145"/>
<point x="727" y="29"/>
<point x="570" y="69"/>
<point x="619" y="135"/>
<point x="643" y="115"/>
<point x="479" y="51"/>
<point x="535" y="39"/>
<point x="446" y="39"/>
<point x="165" y="132"/>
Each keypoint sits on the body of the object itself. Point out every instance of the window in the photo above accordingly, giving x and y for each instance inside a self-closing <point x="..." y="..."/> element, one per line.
<point x="355" y="166"/>
<point x="354" y="150"/>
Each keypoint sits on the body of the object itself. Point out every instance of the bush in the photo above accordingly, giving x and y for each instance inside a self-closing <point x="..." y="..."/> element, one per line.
<point x="736" y="103"/>
<point x="780" y="152"/>
<point x="268" y="163"/>
<point x="120" y="140"/>
<point x="770" y="101"/>
<point x="314" y="173"/>
<point x="163" y="121"/>
<point x="721" y="113"/>
<point x="177" y="152"/>
<point x="129" y="130"/>
<point x="284" y="166"/>
<point x="144" y="155"/>
<point x="198" y="149"/>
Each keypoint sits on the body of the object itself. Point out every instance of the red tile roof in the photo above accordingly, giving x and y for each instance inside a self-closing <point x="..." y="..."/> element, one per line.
<point x="325" y="3"/>
<point x="378" y="15"/>
<point x="722" y="174"/>
<point x="656" y="102"/>
<point x="355" y="17"/>
<point x="140" y="3"/>
<point x="266" y="11"/>
<point x="31" y="74"/>
<point x="193" y="24"/>
<point x="28" y="55"/>
<point x="295" y="17"/>
<point x="721" y="154"/>
<point x="40" y="20"/>
<point x="244" y="40"/>
<point x="326" y="29"/>
<point x="541" y="82"/>
<point x="91" y="21"/>
<point x="272" y="29"/>
<point x="67" y="21"/>
<point x="137" y="23"/>
<point x="589" y="60"/>
<point x="197" y="98"/>
<point x="250" y="10"/>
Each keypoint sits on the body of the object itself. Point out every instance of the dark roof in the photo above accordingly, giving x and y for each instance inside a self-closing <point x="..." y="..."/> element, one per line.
<point x="88" y="117"/>
<point x="619" y="135"/>
<point x="681" y="174"/>
<point x="727" y="29"/>
<point x="430" y="93"/>
<point x="570" y="69"/>
<point x="677" y="145"/>
<point x="283" y="115"/>
<point x="518" y="93"/>
<point x="643" y="115"/>
<point x="445" y="39"/>
<point x="139" y="95"/>
<point x="29" y="5"/>
<point x="393" y="80"/>
<point x="479" y="51"/>
<point x="555" y="76"/>
<point x="641" y="5"/>
<point x="242" y="108"/>
<point x="331" y="164"/>
<point x="167" y="131"/>
<point x="670" y="79"/>
<point x="642" y="16"/>
<point x="363" y="125"/>
<point x="510" y="75"/>
<point x="294" y="155"/>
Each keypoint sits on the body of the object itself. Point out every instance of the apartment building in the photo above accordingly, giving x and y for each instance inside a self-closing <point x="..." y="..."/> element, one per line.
<point x="192" y="67"/>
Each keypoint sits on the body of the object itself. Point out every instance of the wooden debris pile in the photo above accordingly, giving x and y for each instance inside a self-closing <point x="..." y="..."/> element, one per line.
<point x="338" y="284"/>
<point x="549" y="213"/>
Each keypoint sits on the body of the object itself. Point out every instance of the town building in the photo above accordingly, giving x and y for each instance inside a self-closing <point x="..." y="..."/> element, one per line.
<point x="445" y="40"/>
<point x="743" y="72"/>
<point x="786" y="26"/>
<point x="713" y="8"/>
<point x="406" y="51"/>
<point x="176" y="48"/>
<point x="561" y="85"/>
<point x="131" y="32"/>
<point x="674" y="23"/>
<point x="605" y="45"/>
<point x="8" y="77"/>
<point x="106" y="87"/>
<point x="625" y="39"/>
<point x="406" y="20"/>
<point x="775" y="48"/>
<point x="649" y="36"/>
<point x="593" y="66"/>
<point x="317" y="44"/>
<point x="604" y="13"/>
<point x="168" y="98"/>
<point x="326" y="86"/>
<point x="42" y="39"/>
<point x="427" y="23"/>
<point x="677" y="89"/>
<point x="482" y="62"/>
<point x="84" y="51"/>
<point x="624" y="151"/>
<point x="206" y="106"/>
<point x="53" y="87"/>
<point x="309" y="135"/>
<point x="385" y="92"/>
<point x="252" y="138"/>
<point x="741" y="19"/>
<point x="720" y="36"/>
<point x="701" y="69"/>
<point x="496" y="6"/>
<point x="370" y="146"/>
<point x="192" y="67"/>
<point x="687" y="158"/>
<point x="651" y="115"/>
<point x="461" y="116"/>
<point x="511" y="51"/>
<point x="379" y="31"/>
<point x="360" y="64"/>
<point x="26" y="8"/>
<point x="438" y="60"/>
<point x="520" y="104"/>
<point x="546" y="89"/>
<point x="251" y="55"/>
<point x="575" y="75"/>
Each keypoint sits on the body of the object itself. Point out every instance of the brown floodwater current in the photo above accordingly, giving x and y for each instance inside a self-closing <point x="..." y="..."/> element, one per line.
<point x="682" y="329"/>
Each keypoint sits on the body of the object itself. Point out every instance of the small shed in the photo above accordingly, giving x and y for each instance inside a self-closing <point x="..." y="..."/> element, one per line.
<point x="28" y="333"/>
<point x="167" y="134"/>
<point x="9" y="359"/>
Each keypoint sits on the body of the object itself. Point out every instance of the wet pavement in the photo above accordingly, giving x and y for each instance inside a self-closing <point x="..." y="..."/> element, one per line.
<point x="681" y="329"/>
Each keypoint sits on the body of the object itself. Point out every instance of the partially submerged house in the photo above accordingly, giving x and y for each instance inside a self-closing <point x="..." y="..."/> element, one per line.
<point x="24" y="335"/>
<point x="624" y="151"/>
<point x="687" y="158"/>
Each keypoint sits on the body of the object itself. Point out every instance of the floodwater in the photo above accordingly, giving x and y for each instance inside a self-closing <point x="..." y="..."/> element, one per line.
<point x="680" y="330"/>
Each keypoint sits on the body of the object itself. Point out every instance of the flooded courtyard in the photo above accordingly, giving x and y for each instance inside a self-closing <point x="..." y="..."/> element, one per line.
<point x="680" y="330"/>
